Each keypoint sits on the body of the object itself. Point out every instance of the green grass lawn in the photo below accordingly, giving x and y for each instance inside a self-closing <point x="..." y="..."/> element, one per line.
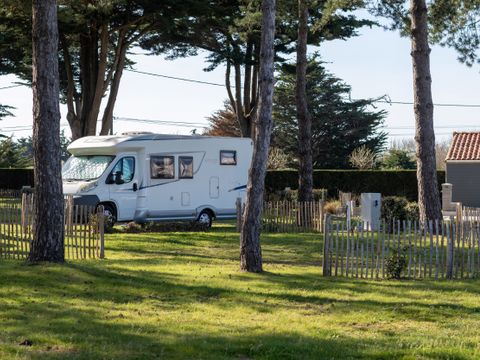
<point x="181" y="296"/>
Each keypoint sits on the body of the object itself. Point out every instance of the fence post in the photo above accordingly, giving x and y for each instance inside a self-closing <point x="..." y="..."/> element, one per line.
<point x="321" y="204"/>
<point x="327" y="271"/>
<point x="101" y="230"/>
<point x="238" y="206"/>
<point x="450" y="245"/>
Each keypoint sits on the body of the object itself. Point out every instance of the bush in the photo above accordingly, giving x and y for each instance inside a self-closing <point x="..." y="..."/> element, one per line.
<point x="386" y="182"/>
<point x="332" y="207"/>
<point x="292" y="195"/>
<point x="15" y="178"/>
<point x="399" y="208"/>
<point x="412" y="211"/>
<point x="394" y="208"/>
<point x="396" y="263"/>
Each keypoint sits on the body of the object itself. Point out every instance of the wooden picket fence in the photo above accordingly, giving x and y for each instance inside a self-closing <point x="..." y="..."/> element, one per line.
<point x="469" y="214"/>
<point x="288" y="216"/>
<point x="84" y="229"/>
<point x="437" y="249"/>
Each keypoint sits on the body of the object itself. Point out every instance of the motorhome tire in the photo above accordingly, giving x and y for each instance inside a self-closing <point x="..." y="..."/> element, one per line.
<point x="110" y="215"/>
<point x="205" y="218"/>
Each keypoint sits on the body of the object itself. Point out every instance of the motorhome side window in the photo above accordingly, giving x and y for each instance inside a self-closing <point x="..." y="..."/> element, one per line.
<point x="228" y="157"/>
<point x="123" y="170"/>
<point x="185" y="167"/>
<point x="162" y="167"/>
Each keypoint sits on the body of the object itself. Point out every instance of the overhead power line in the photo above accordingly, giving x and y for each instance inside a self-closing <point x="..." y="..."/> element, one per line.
<point x="383" y="101"/>
<point x="435" y="104"/>
<point x="176" y="78"/>
<point x="161" y="122"/>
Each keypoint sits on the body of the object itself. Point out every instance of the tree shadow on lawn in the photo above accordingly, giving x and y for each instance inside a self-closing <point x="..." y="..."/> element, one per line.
<point x="59" y="332"/>
<point x="40" y="308"/>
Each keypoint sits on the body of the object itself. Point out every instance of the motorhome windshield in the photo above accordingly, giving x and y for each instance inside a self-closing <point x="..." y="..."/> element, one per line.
<point x="88" y="167"/>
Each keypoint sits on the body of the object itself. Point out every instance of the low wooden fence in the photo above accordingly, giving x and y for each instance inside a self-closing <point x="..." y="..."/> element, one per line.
<point x="288" y="216"/>
<point x="437" y="249"/>
<point x="469" y="214"/>
<point x="84" y="229"/>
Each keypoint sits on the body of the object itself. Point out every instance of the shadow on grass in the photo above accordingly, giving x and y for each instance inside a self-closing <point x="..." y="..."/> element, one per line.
<point x="95" y="334"/>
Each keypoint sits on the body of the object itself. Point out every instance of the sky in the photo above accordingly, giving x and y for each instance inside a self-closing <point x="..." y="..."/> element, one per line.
<point x="374" y="64"/>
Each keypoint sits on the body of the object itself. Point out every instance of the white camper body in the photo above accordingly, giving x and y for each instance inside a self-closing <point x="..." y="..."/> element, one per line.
<point x="150" y="177"/>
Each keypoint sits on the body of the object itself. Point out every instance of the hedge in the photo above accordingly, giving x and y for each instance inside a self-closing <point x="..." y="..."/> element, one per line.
<point x="386" y="182"/>
<point x="15" y="178"/>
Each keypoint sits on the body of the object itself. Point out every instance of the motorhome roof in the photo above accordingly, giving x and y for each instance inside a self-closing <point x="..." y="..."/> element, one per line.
<point x="114" y="141"/>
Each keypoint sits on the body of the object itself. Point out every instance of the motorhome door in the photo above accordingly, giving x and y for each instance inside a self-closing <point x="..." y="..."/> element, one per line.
<point x="123" y="186"/>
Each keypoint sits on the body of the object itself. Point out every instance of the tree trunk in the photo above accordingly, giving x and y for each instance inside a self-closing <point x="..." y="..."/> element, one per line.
<point x="245" y="107"/>
<point x="47" y="244"/>
<point x="107" y="120"/>
<point x="250" y="249"/>
<point x="428" y="193"/>
<point x="305" y="170"/>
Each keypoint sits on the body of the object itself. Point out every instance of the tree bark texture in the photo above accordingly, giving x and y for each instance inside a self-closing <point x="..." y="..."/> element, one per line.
<point x="428" y="193"/>
<point x="48" y="241"/>
<point x="305" y="173"/>
<point x="250" y="249"/>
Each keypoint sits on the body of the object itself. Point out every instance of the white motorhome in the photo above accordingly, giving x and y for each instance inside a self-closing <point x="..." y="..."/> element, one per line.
<point x="151" y="177"/>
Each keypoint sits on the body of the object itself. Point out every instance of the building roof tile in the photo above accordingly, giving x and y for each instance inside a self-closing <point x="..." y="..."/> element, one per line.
<point x="465" y="146"/>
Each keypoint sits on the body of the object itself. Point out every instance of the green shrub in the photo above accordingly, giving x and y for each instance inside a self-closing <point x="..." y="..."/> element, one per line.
<point x="394" y="208"/>
<point x="386" y="182"/>
<point x="396" y="263"/>
<point x="412" y="211"/>
<point x="398" y="208"/>
<point x="292" y="195"/>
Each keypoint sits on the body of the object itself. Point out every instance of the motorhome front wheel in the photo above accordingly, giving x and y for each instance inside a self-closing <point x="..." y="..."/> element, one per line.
<point x="205" y="218"/>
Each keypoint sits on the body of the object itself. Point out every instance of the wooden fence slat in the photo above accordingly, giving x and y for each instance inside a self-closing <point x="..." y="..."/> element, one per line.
<point x="357" y="250"/>
<point x="347" y="253"/>
<point x="336" y="248"/>
<point x="430" y="260"/>
<point x="437" y="258"/>
<point x="383" y="248"/>
<point x="342" y="248"/>
<point x="409" y="237"/>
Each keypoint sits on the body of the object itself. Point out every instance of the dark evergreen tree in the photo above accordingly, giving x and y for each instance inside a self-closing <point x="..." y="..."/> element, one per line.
<point x="229" y="30"/>
<point x="398" y="159"/>
<point x="11" y="156"/>
<point x="94" y="40"/>
<point x="339" y="124"/>
<point x="457" y="24"/>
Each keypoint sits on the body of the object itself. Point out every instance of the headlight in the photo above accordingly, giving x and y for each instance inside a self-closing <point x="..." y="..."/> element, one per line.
<point x="88" y="187"/>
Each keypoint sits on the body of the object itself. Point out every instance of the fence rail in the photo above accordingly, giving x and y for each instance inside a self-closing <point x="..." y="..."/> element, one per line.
<point x="288" y="216"/>
<point x="436" y="249"/>
<point x="84" y="229"/>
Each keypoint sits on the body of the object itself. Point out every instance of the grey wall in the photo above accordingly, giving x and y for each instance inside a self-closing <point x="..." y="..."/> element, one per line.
<point x="465" y="178"/>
